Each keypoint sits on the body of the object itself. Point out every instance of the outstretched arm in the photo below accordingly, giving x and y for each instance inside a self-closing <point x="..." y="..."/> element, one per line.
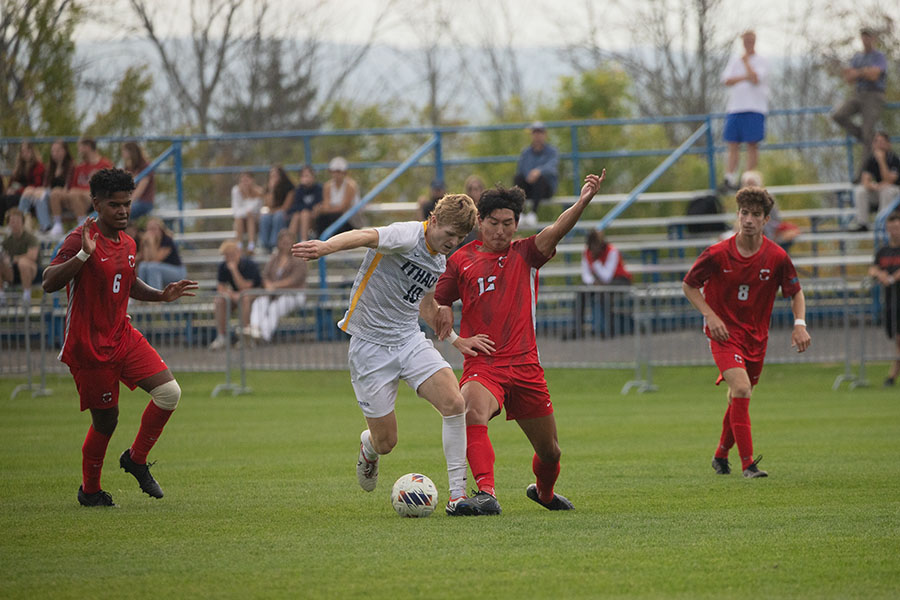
<point x="799" y="336"/>
<point x="549" y="237"/>
<point x="717" y="328"/>
<point x="440" y="319"/>
<point x="356" y="238"/>
<point x="173" y="291"/>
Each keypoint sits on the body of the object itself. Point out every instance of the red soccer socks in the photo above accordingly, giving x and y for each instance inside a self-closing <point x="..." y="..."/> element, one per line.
<point x="152" y="423"/>
<point x="480" y="454"/>
<point x="727" y="440"/>
<point x="92" y="453"/>
<point x="546" y="474"/>
<point x="740" y="427"/>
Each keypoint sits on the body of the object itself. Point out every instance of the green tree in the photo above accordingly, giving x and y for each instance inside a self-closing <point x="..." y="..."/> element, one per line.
<point x="37" y="76"/>
<point x="127" y="104"/>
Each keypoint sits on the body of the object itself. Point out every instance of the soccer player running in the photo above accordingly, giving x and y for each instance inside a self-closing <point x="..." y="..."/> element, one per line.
<point x="96" y="263"/>
<point x="394" y="286"/>
<point x="496" y="279"/>
<point x="739" y="278"/>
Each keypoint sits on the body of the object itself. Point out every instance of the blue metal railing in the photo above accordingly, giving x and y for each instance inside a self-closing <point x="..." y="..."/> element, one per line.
<point x="576" y="155"/>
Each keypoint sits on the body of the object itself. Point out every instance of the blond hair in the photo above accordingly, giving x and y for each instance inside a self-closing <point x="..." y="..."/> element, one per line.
<point x="456" y="210"/>
<point x="229" y="245"/>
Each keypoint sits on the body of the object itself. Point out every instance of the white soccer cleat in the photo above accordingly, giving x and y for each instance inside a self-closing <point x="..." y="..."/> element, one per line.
<point x="366" y="471"/>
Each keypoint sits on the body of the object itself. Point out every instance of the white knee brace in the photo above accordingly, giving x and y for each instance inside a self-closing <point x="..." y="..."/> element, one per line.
<point x="166" y="395"/>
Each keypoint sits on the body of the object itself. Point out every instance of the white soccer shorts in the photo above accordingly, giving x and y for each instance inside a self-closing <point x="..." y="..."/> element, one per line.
<point x="376" y="371"/>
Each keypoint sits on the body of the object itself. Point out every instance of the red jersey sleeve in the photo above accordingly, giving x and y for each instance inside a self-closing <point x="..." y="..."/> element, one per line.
<point x="790" y="283"/>
<point x="702" y="269"/>
<point x="534" y="257"/>
<point x="69" y="248"/>
<point x="447" y="290"/>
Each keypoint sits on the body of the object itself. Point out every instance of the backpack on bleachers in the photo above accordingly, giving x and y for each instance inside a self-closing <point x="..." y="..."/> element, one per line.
<point x="705" y="205"/>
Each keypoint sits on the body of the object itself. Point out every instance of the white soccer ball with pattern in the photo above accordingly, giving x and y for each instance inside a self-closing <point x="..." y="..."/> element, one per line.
<point x="414" y="495"/>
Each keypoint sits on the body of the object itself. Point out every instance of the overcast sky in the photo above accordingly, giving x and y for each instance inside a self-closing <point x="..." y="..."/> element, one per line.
<point x="537" y="22"/>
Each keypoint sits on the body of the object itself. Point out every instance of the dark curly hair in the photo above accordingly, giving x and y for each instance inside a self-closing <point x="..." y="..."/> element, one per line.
<point x="106" y="182"/>
<point x="500" y="197"/>
<point x="751" y="197"/>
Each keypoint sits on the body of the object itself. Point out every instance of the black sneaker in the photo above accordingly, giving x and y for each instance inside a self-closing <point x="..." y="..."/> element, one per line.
<point x="558" y="502"/>
<point x="100" y="498"/>
<point x="485" y="503"/>
<point x="753" y="471"/>
<point x="721" y="466"/>
<point x="889" y="382"/>
<point x="141" y="473"/>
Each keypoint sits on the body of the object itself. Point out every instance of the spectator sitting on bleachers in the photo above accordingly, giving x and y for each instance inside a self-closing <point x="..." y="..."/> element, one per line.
<point x="277" y="199"/>
<point x="537" y="172"/>
<point x="135" y="160"/>
<point x="159" y="263"/>
<point x="781" y="232"/>
<point x="282" y="272"/>
<point x="339" y="194"/>
<point x="246" y="201"/>
<point x="57" y="175"/>
<point x="601" y="264"/>
<point x="77" y="197"/>
<point x="426" y="203"/>
<point x="878" y="181"/>
<point x="474" y="188"/>
<point x="886" y="271"/>
<point x="19" y="256"/>
<point x="28" y="173"/>
<point x="236" y="274"/>
<point x="307" y="197"/>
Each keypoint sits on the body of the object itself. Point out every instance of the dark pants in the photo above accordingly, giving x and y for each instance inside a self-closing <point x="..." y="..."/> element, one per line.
<point x="610" y="311"/>
<point x="323" y="220"/>
<point x="537" y="191"/>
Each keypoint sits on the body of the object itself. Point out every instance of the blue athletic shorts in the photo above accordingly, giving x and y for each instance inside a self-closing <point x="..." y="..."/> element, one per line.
<point x="745" y="127"/>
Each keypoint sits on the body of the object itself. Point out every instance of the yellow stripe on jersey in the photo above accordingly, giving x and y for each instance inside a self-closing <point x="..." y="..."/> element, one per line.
<point x="362" y="287"/>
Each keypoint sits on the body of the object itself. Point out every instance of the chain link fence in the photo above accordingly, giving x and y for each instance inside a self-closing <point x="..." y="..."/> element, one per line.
<point x="639" y="327"/>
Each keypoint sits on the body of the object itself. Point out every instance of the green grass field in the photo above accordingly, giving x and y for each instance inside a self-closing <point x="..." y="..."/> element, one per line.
<point x="262" y="501"/>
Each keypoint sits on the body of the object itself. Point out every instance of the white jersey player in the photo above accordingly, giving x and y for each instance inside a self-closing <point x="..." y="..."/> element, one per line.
<point x="394" y="286"/>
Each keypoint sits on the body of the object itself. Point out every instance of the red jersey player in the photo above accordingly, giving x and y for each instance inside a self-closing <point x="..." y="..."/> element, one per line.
<point x="739" y="278"/>
<point x="496" y="278"/>
<point x="96" y="263"/>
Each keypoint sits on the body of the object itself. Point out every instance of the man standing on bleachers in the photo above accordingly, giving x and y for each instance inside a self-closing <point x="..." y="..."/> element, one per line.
<point x="877" y="187"/>
<point x="537" y="172"/>
<point x="746" y="77"/>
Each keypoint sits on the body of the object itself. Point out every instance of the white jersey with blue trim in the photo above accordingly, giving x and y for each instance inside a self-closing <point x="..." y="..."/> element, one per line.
<point x="390" y="285"/>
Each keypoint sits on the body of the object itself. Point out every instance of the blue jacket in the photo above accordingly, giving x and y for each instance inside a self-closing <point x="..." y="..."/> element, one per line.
<point x="547" y="160"/>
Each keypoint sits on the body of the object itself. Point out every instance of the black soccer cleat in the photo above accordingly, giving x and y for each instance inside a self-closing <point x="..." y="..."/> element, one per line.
<point x="461" y="507"/>
<point x="142" y="474"/>
<point x="721" y="466"/>
<point x="753" y="471"/>
<point x="558" y="502"/>
<point x="100" y="498"/>
<point x="485" y="503"/>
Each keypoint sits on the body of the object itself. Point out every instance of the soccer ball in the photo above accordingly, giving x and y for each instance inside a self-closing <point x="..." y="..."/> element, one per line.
<point x="414" y="495"/>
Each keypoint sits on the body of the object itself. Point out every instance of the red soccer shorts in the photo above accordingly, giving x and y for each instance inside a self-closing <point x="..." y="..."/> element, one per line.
<point x="98" y="387"/>
<point x="521" y="389"/>
<point x="729" y="356"/>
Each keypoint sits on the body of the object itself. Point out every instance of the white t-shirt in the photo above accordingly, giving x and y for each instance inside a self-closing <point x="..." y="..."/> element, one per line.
<point x="745" y="96"/>
<point x="390" y="285"/>
<point x="242" y="206"/>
